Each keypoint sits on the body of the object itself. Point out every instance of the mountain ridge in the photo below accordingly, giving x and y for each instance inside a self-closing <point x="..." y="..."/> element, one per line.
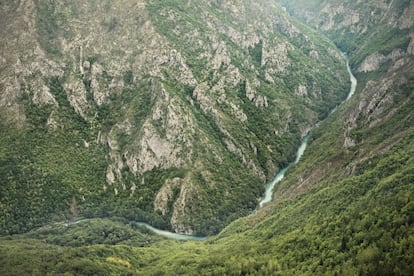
<point x="188" y="134"/>
<point x="346" y="208"/>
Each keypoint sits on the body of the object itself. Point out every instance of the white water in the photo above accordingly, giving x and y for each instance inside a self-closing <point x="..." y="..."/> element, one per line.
<point x="268" y="196"/>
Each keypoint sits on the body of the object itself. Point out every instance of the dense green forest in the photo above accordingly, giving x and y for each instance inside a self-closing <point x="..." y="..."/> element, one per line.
<point x="360" y="225"/>
<point x="94" y="148"/>
<point x="356" y="224"/>
<point x="346" y="208"/>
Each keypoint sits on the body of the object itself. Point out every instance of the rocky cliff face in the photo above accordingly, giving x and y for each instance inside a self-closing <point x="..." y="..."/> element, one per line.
<point x="187" y="108"/>
<point x="385" y="26"/>
<point x="180" y="125"/>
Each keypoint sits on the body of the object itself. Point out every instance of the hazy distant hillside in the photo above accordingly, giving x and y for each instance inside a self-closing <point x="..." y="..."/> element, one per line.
<point x="378" y="31"/>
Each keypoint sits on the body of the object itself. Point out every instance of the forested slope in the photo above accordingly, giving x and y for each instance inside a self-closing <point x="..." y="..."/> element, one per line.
<point x="174" y="112"/>
<point x="346" y="208"/>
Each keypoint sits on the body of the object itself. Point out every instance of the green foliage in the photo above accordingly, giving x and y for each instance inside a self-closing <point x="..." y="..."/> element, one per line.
<point x="355" y="224"/>
<point x="40" y="173"/>
<point x="95" y="231"/>
<point x="362" y="224"/>
<point x="42" y="169"/>
<point x="259" y="130"/>
<point x="256" y="53"/>
<point x="384" y="42"/>
<point x="357" y="218"/>
<point x="383" y="36"/>
<point x="128" y="78"/>
<point x="72" y="155"/>
<point x="49" y="26"/>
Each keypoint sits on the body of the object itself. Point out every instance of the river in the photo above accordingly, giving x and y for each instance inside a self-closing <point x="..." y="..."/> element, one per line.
<point x="168" y="234"/>
<point x="269" y="187"/>
<point x="163" y="233"/>
<point x="268" y="196"/>
<point x="352" y="79"/>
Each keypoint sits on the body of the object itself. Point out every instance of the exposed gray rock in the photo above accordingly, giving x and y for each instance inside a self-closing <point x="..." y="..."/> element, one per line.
<point x="410" y="48"/>
<point x="301" y="91"/>
<point x="406" y="20"/>
<point x="153" y="150"/>
<point x="276" y="57"/>
<point x="188" y="193"/>
<point x="76" y="93"/>
<point x="314" y="54"/>
<point x="42" y="96"/>
<point x="348" y="142"/>
<point x="259" y="100"/>
<point x="165" y="194"/>
<point x="51" y="122"/>
<point x="372" y="63"/>
<point x="221" y="57"/>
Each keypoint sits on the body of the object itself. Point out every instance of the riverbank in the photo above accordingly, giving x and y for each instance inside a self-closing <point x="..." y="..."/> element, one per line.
<point x="268" y="196"/>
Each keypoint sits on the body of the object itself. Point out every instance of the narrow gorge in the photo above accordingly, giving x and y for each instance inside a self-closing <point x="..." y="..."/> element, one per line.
<point x="279" y="176"/>
<point x="151" y="137"/>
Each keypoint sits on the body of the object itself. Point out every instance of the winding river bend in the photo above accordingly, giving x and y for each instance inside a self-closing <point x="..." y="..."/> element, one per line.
<point x="268" y="196"/>
<point x="163" y="233"/>
<point x="168" y="234"/>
